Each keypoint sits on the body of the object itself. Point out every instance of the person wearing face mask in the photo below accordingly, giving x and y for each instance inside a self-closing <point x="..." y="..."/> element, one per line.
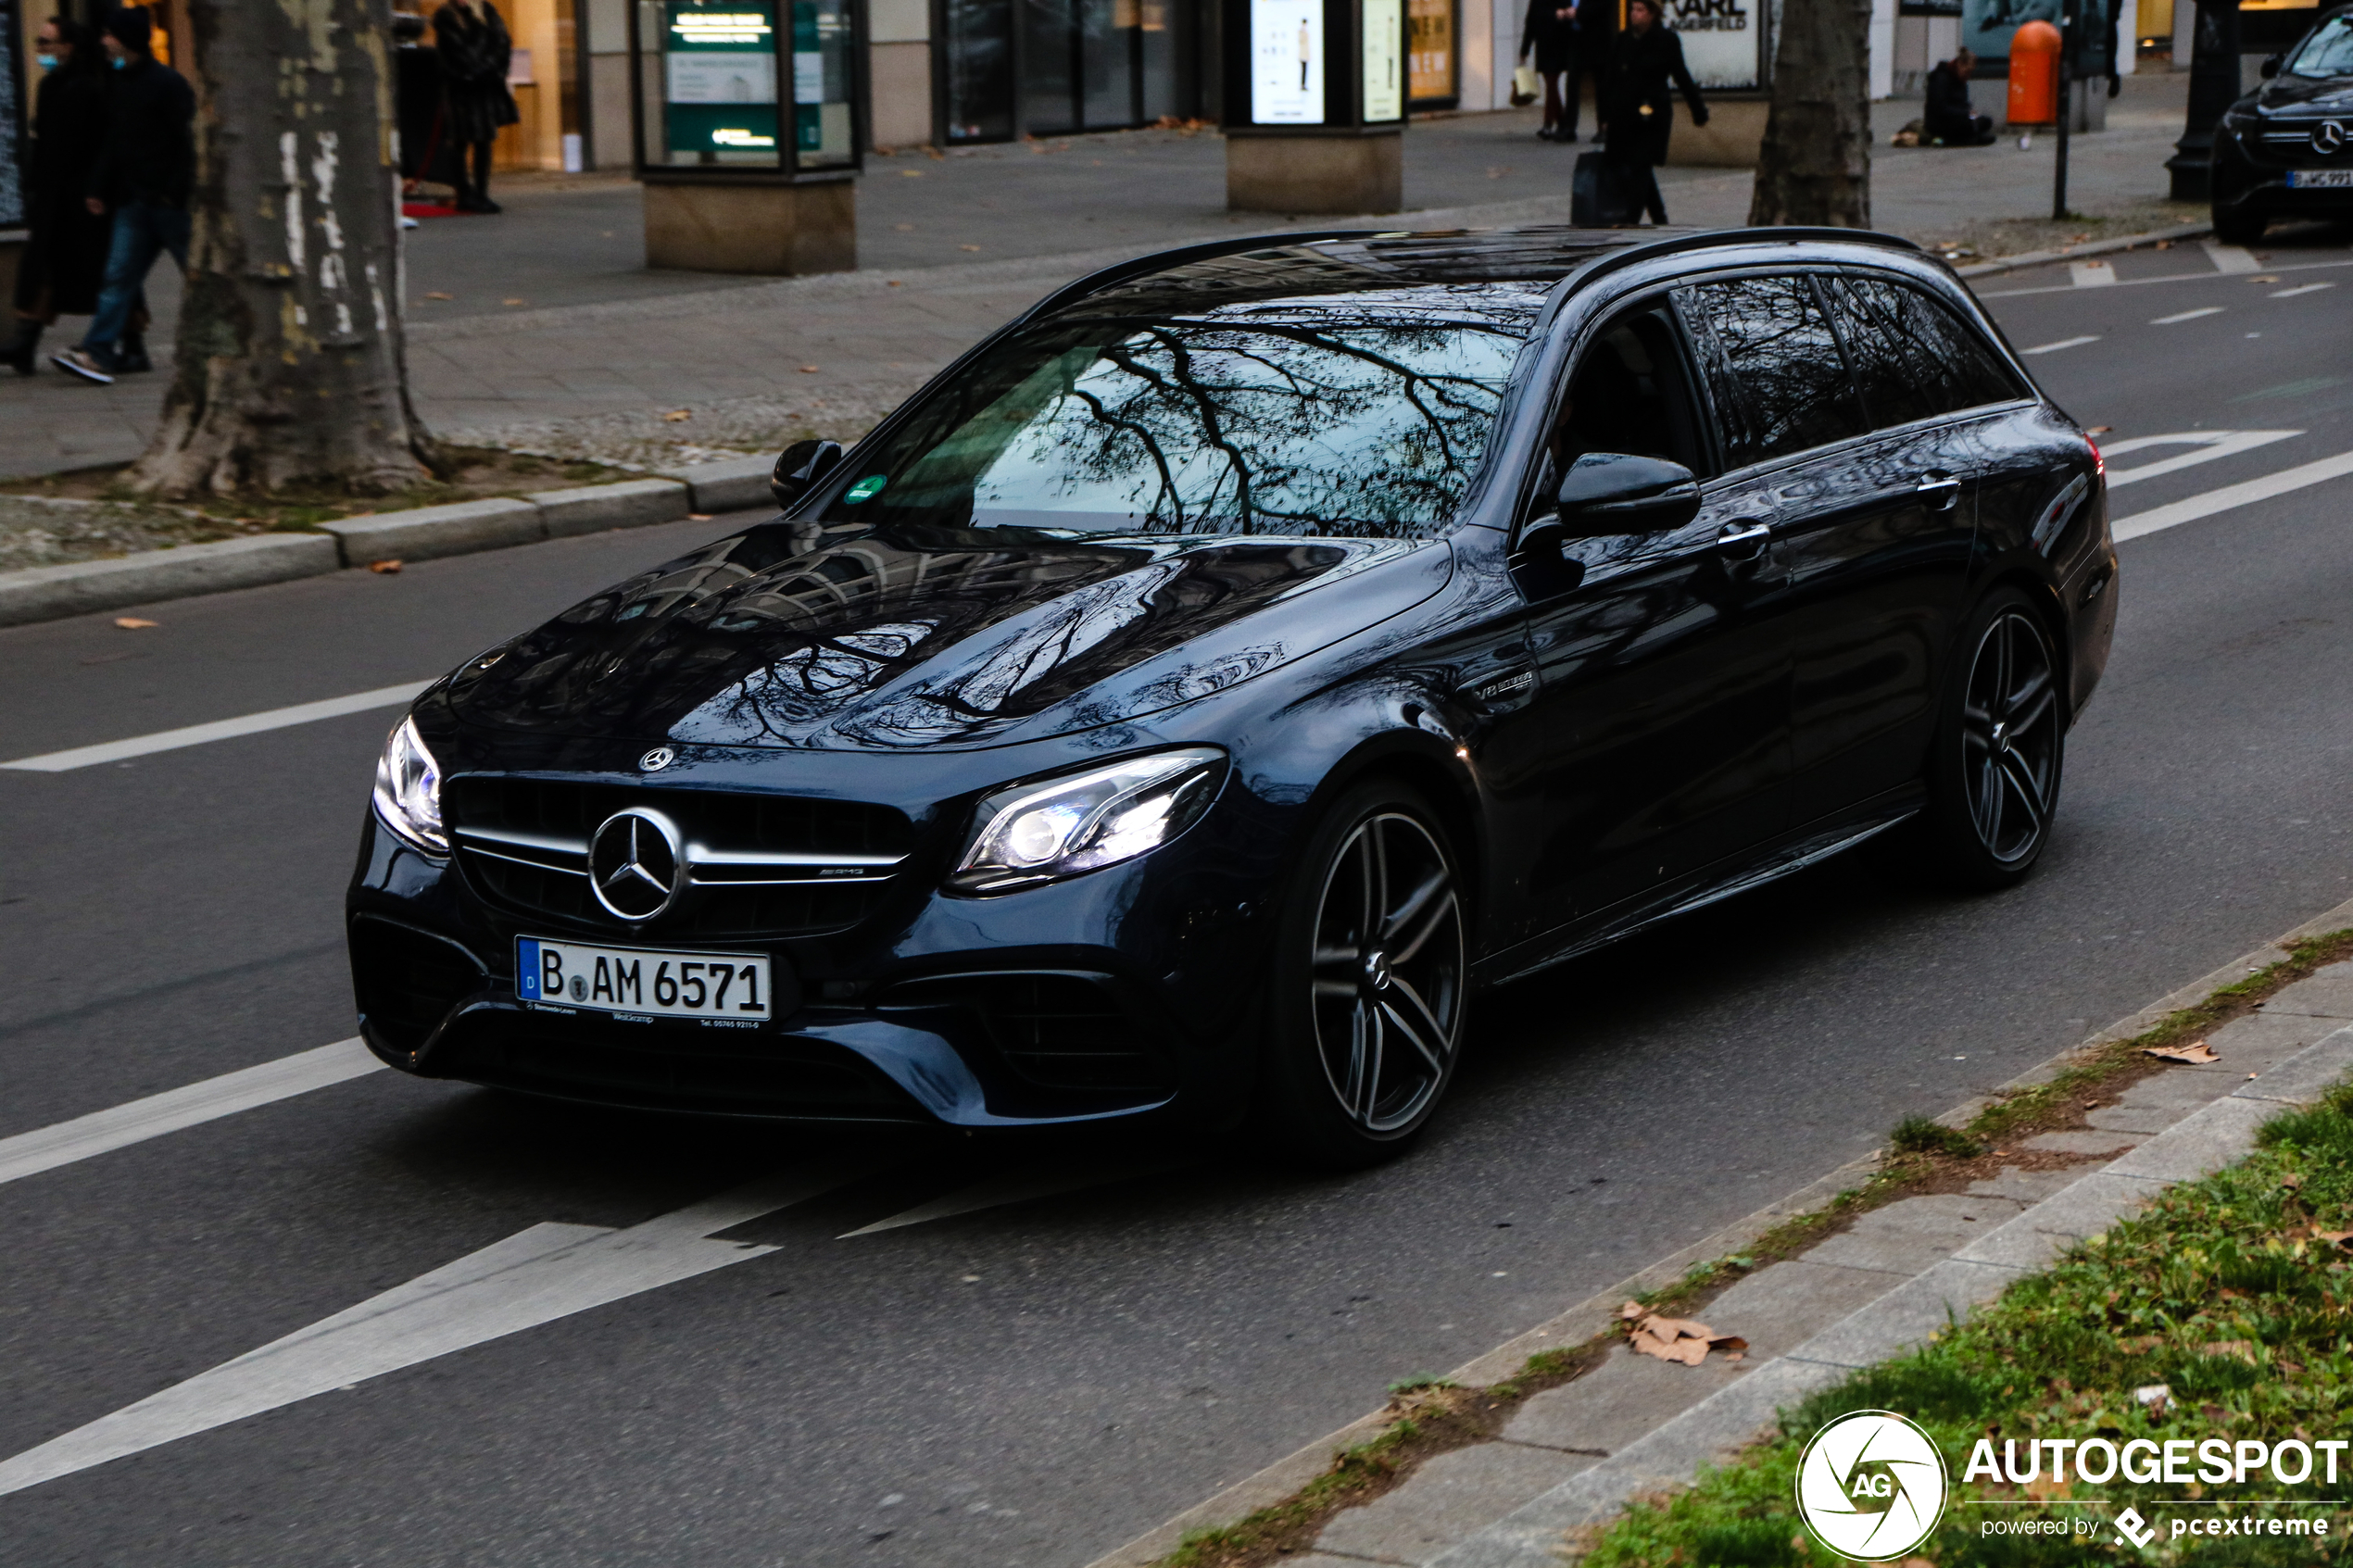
<point x="471" y="39"/>
<point x="65" y="253"/>
<point x="142" y="180"/>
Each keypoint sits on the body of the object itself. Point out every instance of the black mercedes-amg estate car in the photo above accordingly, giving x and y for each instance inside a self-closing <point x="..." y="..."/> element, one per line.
<point x="2287" y="149"/>
<point x="1184" y="702"/>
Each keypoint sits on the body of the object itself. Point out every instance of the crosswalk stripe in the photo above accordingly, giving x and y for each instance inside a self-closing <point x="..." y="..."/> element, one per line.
<point x="2231" y="495"/>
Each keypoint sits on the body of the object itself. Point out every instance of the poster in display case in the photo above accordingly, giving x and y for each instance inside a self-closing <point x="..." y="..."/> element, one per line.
<point x="748" y="86"/>
<point x="1287" y="62"/>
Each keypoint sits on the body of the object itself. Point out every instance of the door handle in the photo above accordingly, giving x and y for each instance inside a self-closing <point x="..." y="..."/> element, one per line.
<point x="1940" y="490"/>
<point x="1743" y="539"/>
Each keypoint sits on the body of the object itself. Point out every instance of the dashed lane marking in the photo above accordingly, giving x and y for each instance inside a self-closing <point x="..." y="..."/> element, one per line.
<point x="2233" y="496"/>
<point x="2301" y="288"/>
<point x="221" y="729"/>
<point x="2064" y="342"/>
<point x="45" y="1148"/>
<point x="2160" y="278"/>
<point x="2187" y="315"/>
<point x="2209" y="444"/>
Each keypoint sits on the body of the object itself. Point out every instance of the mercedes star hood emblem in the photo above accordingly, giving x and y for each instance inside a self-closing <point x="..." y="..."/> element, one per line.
<point x="636" y="866"/>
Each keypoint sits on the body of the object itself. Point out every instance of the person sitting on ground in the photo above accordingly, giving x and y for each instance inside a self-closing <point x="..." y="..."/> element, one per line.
<point x="1950" y="120"/>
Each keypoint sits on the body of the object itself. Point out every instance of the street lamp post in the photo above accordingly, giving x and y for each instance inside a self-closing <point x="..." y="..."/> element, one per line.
<point x="2214" y="87"/>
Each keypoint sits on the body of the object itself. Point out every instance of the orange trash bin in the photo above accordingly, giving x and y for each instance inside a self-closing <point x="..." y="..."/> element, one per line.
<point x="2034" y="59"/>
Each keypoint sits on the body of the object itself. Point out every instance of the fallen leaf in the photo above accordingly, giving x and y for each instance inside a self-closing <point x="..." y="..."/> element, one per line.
<point x="2334" y="1238"/>
<point x="2140" y="1342"/>
<point x="512" y="302"/>
<point x="2289" y="1366"/>
<point x="1632" y="1310"/>
<point x="2165" y="245"/>
<point x="677" y="414"/>
<point x="2102" y="430"/>
<point x="2265" y="278"/>
<point x="913" y="173"/>
<point x="133" y="623"/>
<point x="904" y="228"/>
<point x="894" y="282"/>
<point x="383" y="568"/>
<point x="2292" y="1180"/>
<point x="437" y="294"/>
<point x="2243" y="1348"/>
<point x="809" y="369"/>
<point x="936" y="153"/>
<point x="967" y="247"/>
<point x="2196" y="1053"/>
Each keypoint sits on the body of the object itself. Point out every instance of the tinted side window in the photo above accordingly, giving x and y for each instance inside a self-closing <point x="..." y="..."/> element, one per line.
<point x="1914" y="356"/>
<point x="1779" y="381"/>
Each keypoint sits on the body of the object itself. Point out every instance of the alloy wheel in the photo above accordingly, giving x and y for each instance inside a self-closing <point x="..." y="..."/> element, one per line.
<point x="2010" y="738"/>
<point x="1388" y="972"/>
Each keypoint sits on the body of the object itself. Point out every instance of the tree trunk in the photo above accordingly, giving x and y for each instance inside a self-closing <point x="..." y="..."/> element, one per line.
<point x="292" y="369"/>
<point x="1816" y="164"/>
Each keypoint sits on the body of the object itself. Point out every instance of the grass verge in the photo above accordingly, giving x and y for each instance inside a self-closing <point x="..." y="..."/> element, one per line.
<point x="1923" y="1156"/>
<point x="2222" y="1291"/>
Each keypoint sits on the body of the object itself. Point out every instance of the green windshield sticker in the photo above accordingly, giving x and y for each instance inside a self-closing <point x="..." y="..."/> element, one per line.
<point x="866" y="488"/>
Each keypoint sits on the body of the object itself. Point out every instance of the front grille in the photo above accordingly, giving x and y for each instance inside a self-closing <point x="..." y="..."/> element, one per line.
<point x="772" y="865"/>
<point x="1058" y="1030"/>
<point x="775" y="1078"/>
<point x="406" y="982"/>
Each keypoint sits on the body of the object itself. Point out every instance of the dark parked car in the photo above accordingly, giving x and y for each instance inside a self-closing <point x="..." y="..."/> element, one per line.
<point x="2287" y="149"/>
<point x="1197" y="692"/>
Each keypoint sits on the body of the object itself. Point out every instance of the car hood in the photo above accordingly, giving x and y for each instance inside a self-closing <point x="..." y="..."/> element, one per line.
<point x="2298" y="96"/>
<point x="781" y="637"/>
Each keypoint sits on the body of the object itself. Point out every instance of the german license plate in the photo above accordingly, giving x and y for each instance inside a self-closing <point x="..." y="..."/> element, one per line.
<point x="2320" y="178"/>
<point x="640" y="983"/>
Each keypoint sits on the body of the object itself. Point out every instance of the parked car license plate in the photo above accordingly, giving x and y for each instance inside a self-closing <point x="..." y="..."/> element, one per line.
<point x="643" y="982"/>
<point x="2319" y="179"/>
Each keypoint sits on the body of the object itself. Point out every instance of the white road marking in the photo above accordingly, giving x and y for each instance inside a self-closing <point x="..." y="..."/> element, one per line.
<point x="2187" y="315"/>
<point x="2064" y="342"/>
<point x="221" y="729"/>
<point x="45" y="1148"/>
<point x="532" y="1277"/>
<point x="2301" y="288"/>
<point x="2230" y="258"/>
<point x="2231" y="496"/>
<point x="2160" y="278"/>
<point x="1016" y="1187"/>
<point x="2091" y="275"/>
<point x="2211" y="444"/>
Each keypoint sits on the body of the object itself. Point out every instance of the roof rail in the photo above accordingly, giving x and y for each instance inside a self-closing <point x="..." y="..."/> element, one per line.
<point x="1702" y="239"/>
<point x="1162" y="260"/>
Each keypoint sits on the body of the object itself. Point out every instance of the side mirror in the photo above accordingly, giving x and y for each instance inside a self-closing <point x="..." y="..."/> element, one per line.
<point x="1607" y="493"/>
<point x="2272" y="67"/>
<point x="801" y="466"/>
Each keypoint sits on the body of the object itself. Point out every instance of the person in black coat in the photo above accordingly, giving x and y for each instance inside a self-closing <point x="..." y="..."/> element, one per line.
<point x="471" y="39"/>
<point x="1636" y="104"/>
<point x="1553" y="31"/>
<point x="65" y="253"/>
<point x="1949" y="117"/>
<point x="142" y="178"/>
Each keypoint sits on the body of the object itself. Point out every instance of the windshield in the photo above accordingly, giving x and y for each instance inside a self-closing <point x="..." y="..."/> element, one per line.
<point x="2329" y="52"/>
<point x="1360" y="414"/>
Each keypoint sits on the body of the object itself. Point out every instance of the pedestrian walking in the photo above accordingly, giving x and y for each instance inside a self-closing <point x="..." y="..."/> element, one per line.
<point x="140" y="179"/>
<point x="65" y="253"/>
<point x="471" y="39"/>
<point x="1636" y="104"/>
<point x="1553" y="32"/>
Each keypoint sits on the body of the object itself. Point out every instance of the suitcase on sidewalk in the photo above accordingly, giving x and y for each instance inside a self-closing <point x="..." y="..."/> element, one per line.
<point x="1597" y="197"/>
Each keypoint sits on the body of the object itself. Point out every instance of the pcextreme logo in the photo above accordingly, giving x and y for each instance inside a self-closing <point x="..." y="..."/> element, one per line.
<point x="1871" y="1486"/>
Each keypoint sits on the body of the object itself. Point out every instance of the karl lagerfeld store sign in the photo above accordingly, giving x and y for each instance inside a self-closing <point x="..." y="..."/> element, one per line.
<point x="1873" y="1486"/>
<point x="1724" y="42"/>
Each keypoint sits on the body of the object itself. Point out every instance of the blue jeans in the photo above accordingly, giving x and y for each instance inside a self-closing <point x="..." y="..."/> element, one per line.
<point x="142" y="232"/>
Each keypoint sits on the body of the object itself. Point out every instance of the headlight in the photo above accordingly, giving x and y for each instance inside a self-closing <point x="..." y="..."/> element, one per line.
<point x="408" y="790"/>
<point x="1041" y="831"/>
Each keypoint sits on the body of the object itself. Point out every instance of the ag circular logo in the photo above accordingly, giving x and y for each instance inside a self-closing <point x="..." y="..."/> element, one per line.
<point x="635" y="866"/>
<point x="654" y="761"/>
<point x="1871" y="1486"/>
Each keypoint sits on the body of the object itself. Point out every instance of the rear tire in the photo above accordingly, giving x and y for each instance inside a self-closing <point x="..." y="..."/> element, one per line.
<point x="1999" y="752"/>
<point x="1368" y="984"/>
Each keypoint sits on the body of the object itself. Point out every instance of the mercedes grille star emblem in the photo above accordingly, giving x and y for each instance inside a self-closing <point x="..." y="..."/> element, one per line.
<point x="654" y="761"/>
<point x="2328" y="138"/>
<point x="636" y="867"/>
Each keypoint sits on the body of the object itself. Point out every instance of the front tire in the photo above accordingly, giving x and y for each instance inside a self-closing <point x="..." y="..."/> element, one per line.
<point x="1365" y="1018"/>
<point x="2238" y="225"/>
<point x="1999" y="752"/>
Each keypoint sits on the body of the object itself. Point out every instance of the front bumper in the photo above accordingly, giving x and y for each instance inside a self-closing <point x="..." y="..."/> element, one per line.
<point x="1120" y="993"/>
<point x="2249" y="177"/>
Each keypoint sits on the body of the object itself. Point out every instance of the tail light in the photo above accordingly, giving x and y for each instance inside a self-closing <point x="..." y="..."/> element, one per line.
<point x="2100" y="464"/>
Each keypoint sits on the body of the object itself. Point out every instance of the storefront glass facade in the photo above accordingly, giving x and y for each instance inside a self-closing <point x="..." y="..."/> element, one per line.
<point x="1047" y="68"/>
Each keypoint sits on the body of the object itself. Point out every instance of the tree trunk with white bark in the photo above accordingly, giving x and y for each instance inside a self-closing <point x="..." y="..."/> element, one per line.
<point x="291" y="369"/>
<point x="1816" y="164"/>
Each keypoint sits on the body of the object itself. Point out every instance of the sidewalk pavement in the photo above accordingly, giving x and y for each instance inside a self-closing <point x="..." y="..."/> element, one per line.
<point x="600" y="348"/>
<point x="1574" y="1456"/>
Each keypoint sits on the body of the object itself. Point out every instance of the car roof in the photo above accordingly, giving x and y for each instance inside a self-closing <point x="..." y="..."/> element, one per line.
<point x="1364" y="260"/>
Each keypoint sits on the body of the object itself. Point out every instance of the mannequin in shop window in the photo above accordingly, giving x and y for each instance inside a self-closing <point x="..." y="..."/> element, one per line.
<point x="471" y="39"/>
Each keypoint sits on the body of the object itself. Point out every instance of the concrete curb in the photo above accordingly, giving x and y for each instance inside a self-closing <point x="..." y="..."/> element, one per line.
<point x="1594" y="1314"/>
<point x="54" y="593"/>
<point x="1727" y="1420"/>
<point x="2077" y="252"/>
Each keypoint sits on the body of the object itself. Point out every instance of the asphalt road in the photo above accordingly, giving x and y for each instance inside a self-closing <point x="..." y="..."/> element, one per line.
<point x="1030" y="1382"/>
